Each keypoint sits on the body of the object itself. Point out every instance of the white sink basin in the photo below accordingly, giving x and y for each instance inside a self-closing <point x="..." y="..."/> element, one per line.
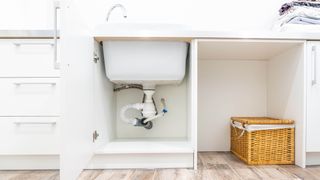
<point x="139" y="28"/>
<point x="143" y="62"/>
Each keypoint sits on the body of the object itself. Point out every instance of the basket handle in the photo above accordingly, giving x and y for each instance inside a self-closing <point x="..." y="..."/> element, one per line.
<point x="242" y="132"/>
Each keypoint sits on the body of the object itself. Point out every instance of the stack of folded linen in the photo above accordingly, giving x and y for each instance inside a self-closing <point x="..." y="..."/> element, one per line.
<point x="299" y="15"/>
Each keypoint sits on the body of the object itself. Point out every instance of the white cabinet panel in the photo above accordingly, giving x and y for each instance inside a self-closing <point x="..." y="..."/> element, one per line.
<point x="27" y="58"/>
<point x="313" y="89"/>
<point x="29" y="97"/>
<point x="29" y="135"/>
<point x="78" y="93"/>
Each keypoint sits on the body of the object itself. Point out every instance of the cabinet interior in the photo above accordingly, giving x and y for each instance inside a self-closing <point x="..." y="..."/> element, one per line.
<point x="169" y="133"/>
<point x="248" y="78"/>
<point x="234" y="78"/>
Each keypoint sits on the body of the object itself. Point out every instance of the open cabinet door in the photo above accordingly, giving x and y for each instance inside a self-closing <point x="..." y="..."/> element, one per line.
<point x="193" y="93"/>
<point x="313" y="86"/>
<point x="77" y="93"/>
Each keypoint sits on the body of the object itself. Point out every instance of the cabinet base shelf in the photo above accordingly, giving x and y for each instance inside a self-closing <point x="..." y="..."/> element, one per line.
<point x="145" y="147"/>
<point x="141" y="161"/>
<point x="143" y="154"/>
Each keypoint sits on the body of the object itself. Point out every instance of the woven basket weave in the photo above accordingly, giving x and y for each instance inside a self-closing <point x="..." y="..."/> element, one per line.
<point x="274" y="146"/>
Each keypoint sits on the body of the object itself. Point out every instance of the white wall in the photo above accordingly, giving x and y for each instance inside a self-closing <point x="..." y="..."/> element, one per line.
<point x="201" y="14"/>
<point x="26" y="14"/>
<point x="286" y="94"/>
<point x="207" y="14"/>
<point x="156" y="11"/>
<point x="235" y="14"/>
<point x="228" y="88"/>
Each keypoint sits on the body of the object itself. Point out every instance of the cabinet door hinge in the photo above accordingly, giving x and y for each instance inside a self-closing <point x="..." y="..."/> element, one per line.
<point x="95" y="57"/>
<point x="95" y="136"/>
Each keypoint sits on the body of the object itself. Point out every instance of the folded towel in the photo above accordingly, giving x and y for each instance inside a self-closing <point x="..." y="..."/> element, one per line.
<point x="287" y="6"/>
<point x="307" y="12"/>
<point x="304" y="20"/>
<point x="298" y="28"/>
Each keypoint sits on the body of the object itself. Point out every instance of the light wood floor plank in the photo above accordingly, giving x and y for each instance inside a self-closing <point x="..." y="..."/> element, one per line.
<point x="29" y="175"/>
<point x="315" y="170"/>
<point x="301" y="173"/>
<point x="218" y="166"/>
<point x="92" y="174"/>
<point x="174" y="174"/>
<point x="273" y="172"/>
<point x="244" y="171"/>
<point x="211" y="166"/>
<point x="114" y="174"/>
<point x="142" y="175"/>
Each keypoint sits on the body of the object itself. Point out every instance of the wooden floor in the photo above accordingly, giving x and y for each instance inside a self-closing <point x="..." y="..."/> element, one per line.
<point x="212" y="165"/>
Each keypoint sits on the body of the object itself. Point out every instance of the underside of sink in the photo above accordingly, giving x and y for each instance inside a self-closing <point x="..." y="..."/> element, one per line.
<point x="145" y="62"/>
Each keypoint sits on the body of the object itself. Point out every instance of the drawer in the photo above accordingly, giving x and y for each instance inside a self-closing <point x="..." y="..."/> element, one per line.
<point x="30" y="97"/>
<point x="29" y="135"/>
<point x="27" y="58"/>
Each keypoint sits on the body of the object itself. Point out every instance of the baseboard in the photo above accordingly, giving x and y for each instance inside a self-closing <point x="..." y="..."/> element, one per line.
<point x="29" y="162"/>
<point x="141" y="161"/>
<point x="313" y="158"/>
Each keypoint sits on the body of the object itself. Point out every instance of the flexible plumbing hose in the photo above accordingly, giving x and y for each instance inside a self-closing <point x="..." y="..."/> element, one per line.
<point x="128" y="86"/>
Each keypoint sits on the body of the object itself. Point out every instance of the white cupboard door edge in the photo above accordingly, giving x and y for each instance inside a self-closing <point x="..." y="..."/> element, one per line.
<point x="77" y="74"/>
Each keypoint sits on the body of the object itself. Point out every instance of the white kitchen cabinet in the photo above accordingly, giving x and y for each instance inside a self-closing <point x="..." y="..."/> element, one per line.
<point x="77" y="93"/>
<point x="29" y="120"/>
<point x="239" y="77"/>
<point x="30" y="100"/>
<point x="225" y="77"/>
<point x="27" y="58"/>
<point x="313" y="89"/>
<point x="29" y="136"/>
<point x="30" y="85"/>
<point x="30" y="96"/>
<point x="120" y="145"/>
<point x="89" y="104"/>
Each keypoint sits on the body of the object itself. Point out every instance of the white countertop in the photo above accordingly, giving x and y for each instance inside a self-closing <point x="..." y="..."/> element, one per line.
<point x="257" y="35"/>
<point x="208" y="34"/>
<point x="25" y="34"/>
<point x="183" y="35"/>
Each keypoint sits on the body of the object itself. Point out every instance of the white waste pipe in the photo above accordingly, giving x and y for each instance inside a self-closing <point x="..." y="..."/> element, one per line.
<point x="149" y="109"/>
<point x="133" y="121"/>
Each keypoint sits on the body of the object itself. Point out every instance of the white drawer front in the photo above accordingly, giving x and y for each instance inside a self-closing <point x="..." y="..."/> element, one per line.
<point x="29" y="135"/>
<point x="29" y="96"/>
<point x="27" y="58"/>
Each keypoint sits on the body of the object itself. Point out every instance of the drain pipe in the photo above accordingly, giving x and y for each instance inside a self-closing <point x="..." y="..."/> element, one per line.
<point x="147" y="107"/>
<point x="124" y="109"/>
<point x="164" y="110"/>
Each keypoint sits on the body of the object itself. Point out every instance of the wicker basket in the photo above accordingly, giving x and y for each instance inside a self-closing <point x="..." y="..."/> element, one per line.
<point x="270" y="146"/>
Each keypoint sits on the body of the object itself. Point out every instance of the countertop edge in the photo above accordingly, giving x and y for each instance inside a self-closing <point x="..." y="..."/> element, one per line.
<point x="188" y="35"/>
<point x="184" y="35"/>
<point x="27" y="34"/>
